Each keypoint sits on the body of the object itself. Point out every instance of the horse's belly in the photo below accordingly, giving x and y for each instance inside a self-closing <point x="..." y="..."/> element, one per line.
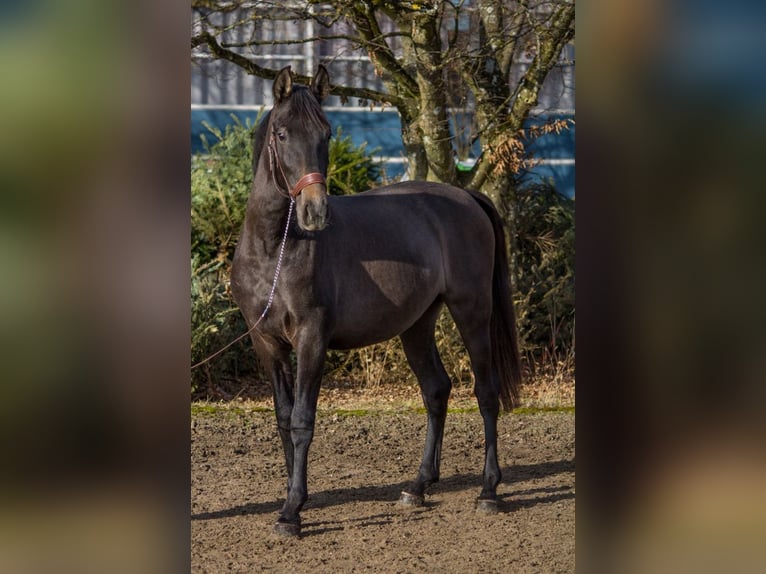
<point x="363" y="333"/>
<point x="383" y="302"/>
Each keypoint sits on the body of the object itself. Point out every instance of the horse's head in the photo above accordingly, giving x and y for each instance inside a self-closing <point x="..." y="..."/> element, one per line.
<point x="298" y="141"/>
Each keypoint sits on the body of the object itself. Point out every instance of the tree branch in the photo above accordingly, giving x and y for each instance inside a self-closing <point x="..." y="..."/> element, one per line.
<point x="220" y="52"/>
<point x="496" y="119"/>
<point x="363" y="16"/>
<point x="353" y="39"/>
<point x="553" y="39"/>
<point x="512" y="32"/>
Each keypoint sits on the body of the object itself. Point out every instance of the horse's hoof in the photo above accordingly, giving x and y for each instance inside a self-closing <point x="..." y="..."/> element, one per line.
<point x="287" y="529"/>
<point x="486" y="506"/>
<point x="407" y="499"/>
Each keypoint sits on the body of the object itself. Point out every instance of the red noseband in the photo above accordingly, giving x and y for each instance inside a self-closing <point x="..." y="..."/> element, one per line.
<point x="305" y="181"/>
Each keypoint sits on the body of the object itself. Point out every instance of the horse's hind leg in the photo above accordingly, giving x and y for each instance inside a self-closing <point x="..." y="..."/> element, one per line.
<point x="472" y="320"/>
<point x="420" y="347"/>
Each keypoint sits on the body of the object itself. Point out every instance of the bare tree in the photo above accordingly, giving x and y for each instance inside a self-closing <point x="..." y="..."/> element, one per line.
<point x="430" y="56"/>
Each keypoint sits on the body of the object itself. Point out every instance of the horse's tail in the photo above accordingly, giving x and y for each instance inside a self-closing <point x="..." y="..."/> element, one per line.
<point x="506" y="363"/>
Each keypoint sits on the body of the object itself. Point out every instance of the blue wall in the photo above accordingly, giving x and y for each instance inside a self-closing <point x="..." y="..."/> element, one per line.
<point x="381" y="131"/>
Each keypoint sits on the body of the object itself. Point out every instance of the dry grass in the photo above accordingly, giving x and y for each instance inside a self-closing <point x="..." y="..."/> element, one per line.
<point x="553" y="387"/>
<point x="549" y="388"/>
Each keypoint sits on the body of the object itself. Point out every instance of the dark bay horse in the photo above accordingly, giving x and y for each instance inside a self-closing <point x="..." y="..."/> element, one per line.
<point x="362" y="269"/>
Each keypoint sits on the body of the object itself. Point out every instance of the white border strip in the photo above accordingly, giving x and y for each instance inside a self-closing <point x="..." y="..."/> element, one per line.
<point x="558" y="161"/>
<point x="376" y="108"/>
<point x="257" y="108"/>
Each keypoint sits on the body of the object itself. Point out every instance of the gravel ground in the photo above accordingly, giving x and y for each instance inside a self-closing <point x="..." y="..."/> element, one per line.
<point x="358" y="466"/>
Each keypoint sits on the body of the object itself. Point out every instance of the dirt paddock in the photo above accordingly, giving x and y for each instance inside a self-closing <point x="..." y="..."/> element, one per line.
<point x="358" y="465"/>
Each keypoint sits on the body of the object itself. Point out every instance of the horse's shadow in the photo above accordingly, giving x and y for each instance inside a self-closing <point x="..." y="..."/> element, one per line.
<point x="507" y="502"/>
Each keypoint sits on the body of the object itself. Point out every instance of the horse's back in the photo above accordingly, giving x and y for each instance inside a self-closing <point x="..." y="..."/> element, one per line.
<point x="410" y="206"/>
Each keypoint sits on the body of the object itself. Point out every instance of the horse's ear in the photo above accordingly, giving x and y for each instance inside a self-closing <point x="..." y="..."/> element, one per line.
<point x="283" y="85"/>
<point x="320" y="85"/>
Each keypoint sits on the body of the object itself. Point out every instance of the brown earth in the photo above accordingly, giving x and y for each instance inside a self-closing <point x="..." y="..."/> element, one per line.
<point x="358" y="465"/>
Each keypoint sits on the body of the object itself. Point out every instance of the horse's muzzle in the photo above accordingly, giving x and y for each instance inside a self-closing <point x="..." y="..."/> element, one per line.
<point x="312" y="208"/>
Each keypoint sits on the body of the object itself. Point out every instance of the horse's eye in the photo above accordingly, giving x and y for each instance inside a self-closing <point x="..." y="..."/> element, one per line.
<point x="282" y="134"/>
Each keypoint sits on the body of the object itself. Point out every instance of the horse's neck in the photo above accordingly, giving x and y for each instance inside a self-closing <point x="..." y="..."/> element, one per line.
<point x="265" y="216"/>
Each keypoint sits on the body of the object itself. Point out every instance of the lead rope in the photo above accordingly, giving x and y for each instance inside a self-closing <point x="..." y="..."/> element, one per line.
<point x="271" y="294"/>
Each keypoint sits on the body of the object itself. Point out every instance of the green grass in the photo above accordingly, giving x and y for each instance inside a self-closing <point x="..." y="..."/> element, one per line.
<point x="537" y="410"/>
<point x="349" y="412"/>
<point x="208" y="409"/>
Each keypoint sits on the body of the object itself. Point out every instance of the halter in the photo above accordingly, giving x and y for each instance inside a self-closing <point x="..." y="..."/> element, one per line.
<point x="301" y="184"/>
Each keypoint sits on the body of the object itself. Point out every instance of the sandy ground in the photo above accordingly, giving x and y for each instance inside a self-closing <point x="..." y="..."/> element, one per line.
<point x="358" y="466"/>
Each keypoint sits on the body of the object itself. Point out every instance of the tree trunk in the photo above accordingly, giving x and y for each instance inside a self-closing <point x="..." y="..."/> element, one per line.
<point x="417" y="156"/>
<point x="433" y="122"/>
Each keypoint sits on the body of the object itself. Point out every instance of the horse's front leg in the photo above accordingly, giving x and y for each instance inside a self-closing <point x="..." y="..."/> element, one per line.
<point x="310" y="354"/>
<point x="282" y="390"/>
<point x="275" y="357"/>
